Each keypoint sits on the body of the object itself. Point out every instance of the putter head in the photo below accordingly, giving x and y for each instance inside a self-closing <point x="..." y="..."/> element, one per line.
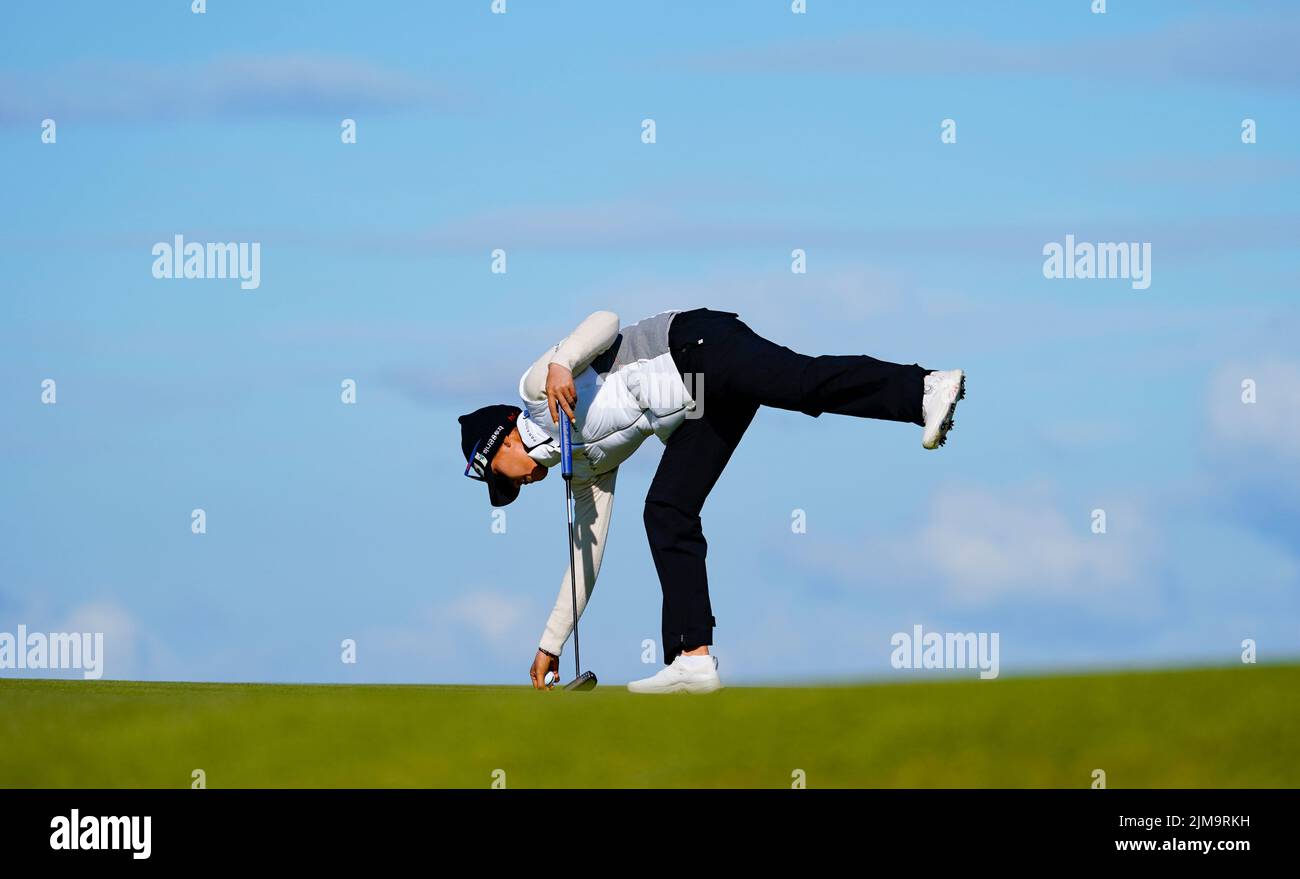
<point x="584" y="681"/>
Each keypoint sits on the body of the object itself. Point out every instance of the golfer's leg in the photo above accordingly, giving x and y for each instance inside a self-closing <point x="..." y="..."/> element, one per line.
<point x="692" y="461"/>
<point x="849" y="384"/>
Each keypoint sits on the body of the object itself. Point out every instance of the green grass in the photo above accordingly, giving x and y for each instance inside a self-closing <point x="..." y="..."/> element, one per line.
<point x="1231" y="727"/>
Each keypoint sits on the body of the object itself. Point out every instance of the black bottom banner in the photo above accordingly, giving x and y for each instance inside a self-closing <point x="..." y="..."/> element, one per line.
<point x="335" y="826"/>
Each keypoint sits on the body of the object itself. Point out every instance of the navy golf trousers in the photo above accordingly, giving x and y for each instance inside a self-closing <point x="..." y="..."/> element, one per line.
<point x="741" y="371"/>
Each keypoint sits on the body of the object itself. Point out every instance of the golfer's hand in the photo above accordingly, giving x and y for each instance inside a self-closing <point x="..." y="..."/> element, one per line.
<point x="560" y="391"/>
<point x="541" y="665"/>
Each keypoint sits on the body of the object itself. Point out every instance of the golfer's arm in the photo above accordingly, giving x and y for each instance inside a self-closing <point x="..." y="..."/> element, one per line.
<point x="593" y="503"/>
<point x="575" y="353"/>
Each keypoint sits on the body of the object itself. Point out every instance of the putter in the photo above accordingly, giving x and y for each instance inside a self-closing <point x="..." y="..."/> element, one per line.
<point x="584" y="680"/>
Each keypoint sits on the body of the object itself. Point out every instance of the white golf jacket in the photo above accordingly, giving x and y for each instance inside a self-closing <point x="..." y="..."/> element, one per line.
<point x="628" y="388"/>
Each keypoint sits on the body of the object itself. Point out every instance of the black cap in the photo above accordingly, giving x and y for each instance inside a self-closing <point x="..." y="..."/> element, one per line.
<point x="481" y="433"/>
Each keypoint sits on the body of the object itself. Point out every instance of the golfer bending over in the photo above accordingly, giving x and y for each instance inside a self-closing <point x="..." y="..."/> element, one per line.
<point x="694" y="379"/>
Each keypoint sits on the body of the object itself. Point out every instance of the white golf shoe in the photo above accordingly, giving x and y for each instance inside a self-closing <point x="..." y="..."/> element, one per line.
<point x="687" y="674"/>
<point x="942" y="391"/>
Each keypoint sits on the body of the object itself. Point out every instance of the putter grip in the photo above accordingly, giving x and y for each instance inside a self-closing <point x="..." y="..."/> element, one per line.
<point x="566" y="446"/>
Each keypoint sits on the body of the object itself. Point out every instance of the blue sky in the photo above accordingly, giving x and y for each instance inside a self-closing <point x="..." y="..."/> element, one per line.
<point x="522" y="131"/>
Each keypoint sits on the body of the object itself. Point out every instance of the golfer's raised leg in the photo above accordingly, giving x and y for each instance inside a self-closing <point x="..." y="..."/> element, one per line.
<point x="747" y="364"/>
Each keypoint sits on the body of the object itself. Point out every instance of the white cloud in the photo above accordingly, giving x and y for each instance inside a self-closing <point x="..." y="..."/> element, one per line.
<point x="1236" y="50"/>
<point x="1251" y="451"/>
<point x="1269" y="426"/>
<point x="276" y="86"/>
<point x="987" y="545"/>
<point x="492" y="616"/>
<point x="121" y="635"/>
<point x="487" y="624"/>
<point x="791" y="309"/>
<point x="979" y="547"/>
